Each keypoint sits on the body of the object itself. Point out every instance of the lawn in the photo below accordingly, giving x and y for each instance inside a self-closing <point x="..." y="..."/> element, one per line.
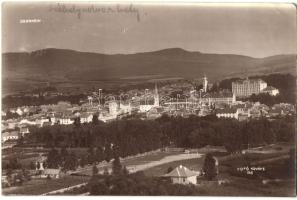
<point x="148" y="158"/>
<point x="41" y="186"/>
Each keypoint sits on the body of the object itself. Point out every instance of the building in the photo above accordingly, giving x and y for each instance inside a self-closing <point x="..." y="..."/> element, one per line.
<point x="221" y="97"/>
<point x="147" y="107"/>
<point x="227" y="113"/>
<point x="13" y="135"/>
<point x="204" y="84"/>
<point x="86" y="118"/>
<point x="52" y="173"/>
<point x="113" y="108"/>
<point x="271" y="91"/>
<point x="156" y="97"/>
<point x="182" y="175"/>
<point x="247" y="87"/>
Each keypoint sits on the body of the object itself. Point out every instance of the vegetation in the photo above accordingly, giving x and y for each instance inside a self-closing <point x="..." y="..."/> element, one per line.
<point x="209" y="167"/>
<point x="11" y="101"/>
<point x="137" y="184"/>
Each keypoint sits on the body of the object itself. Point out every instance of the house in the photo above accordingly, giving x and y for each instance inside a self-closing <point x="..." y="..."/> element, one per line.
<point x="86" y="118"/>
<point x="271" y="91"/>
<point x="52" y="173"/>
<point x="155" y="112"/>
<point x="24" y="130"/>
<point x="13" y="135"/>
<point x="227" y="113"/>
<point x="182" y="175"/>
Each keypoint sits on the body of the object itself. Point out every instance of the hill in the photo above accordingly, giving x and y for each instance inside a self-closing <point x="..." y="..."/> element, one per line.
<point x="62" y="65"/>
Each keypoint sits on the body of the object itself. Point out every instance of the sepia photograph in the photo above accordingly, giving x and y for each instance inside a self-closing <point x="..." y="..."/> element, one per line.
<point x="148" y="99"/>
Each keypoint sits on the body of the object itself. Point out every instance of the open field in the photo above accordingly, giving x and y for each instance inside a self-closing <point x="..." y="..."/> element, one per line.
<point x="40" y="186"/>
<point x="246" y="187"/>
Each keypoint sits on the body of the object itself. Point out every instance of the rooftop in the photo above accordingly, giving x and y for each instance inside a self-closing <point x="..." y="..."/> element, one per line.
<point x="181" y="171"/>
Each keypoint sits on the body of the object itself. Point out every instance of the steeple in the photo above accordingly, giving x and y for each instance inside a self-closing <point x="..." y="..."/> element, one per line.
<point x="205" y="82"/>
<point x="156" y="97"/>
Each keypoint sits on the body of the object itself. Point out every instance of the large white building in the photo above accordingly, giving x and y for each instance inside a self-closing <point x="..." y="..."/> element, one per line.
<point x="247" y="87"/>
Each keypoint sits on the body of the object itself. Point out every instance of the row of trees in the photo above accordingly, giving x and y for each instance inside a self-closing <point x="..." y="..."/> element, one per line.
<point x="196" y="132"/>
<point x="17" y="101"/>
<point x="136" y="136"/>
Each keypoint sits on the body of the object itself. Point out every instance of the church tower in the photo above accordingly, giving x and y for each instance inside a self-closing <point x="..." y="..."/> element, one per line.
<point x="156" y="97"/>
<point x="205" y="82"/>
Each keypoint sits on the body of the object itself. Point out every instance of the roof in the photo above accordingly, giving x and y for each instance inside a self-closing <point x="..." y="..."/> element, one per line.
<point x="269" y="88"/>
<point x="221" y="94"/>
<point x="13" y="133"/>
<point x="181" y="171"/>
<point x="226" y="110"/>
<point x="52" y="171"/>
<point x="241" y="81"/>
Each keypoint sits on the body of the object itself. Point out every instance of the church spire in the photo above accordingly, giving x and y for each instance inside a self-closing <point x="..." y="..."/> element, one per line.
<point x="156" y="96"/>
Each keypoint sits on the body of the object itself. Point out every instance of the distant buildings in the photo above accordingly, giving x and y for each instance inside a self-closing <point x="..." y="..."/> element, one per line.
<point x="227" y="113"/>
<point x="247" y="87"/>
<point x="147" y="107"/>
<point x="13" y="135"/>
<point x="222" y="97"/>
<point x="271" y="91"/>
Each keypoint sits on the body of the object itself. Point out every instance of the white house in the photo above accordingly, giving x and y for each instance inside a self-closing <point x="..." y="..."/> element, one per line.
<point x="182" y="175"/>
<point x="13" y="135"/>
<point x="52" y="173"/>
<point x="227" y="113"/>
<point x="86" y="118"/>
<point x="271" y="91"/>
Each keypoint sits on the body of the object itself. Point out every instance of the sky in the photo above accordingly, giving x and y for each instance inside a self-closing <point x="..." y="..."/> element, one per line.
<point x="256" y="30"/>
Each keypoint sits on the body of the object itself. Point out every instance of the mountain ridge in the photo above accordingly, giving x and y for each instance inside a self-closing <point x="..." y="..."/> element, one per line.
<point x="54" y="64"/>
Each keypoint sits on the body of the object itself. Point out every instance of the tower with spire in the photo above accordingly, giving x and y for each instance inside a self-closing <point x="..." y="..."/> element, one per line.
<point x="156" y="97"/>
<point x="204" y="83"/>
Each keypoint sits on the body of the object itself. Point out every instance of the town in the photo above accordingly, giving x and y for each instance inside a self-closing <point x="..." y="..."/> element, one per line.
<point x="180" y="98"/>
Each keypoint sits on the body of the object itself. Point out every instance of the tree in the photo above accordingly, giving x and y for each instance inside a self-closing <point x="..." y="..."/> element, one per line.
<point x="77" y="122"/>
<point x="169" y="169"/>
<point x="32" y="165"/>
<point x="209" y="167"/>
<point x="105" y="172"/>
<point x="107" y="152"/>
<point x="125" y="170"/>
<point x="53" y="159"/>
<point x="116" y="166"/>
<point x="82" y="161"/>
<point x="95" y="170"/>
<point x="95" y="120"/>
<point x="38" y="165"/>
<point x="70" y="162"/>
<point x="99" y="154"/>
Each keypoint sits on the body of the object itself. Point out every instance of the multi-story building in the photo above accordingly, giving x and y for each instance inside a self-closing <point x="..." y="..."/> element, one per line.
<point x="221" y="97"/>
<point x="247" y="87"/>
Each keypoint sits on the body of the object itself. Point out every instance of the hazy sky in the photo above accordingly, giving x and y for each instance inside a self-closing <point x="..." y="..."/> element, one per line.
<point x="256" y="31"/>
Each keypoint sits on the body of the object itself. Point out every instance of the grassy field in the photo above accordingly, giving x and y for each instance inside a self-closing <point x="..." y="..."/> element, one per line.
<point x="149" y="158"/>
<point x="40" y="186"/>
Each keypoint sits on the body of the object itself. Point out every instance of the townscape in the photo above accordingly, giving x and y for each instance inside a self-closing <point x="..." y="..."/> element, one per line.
<point x="190" y="100"/>
<point x="102" y="101"/>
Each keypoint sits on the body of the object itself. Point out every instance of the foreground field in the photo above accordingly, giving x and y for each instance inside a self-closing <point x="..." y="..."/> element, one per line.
<point x="41" y="186"/>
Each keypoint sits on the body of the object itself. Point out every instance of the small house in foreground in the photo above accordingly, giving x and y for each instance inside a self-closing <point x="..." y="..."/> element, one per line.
<point x="182" y="175"/>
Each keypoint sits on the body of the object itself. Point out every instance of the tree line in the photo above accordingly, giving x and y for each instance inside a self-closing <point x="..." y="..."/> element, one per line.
<point x="134" y="136"/>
